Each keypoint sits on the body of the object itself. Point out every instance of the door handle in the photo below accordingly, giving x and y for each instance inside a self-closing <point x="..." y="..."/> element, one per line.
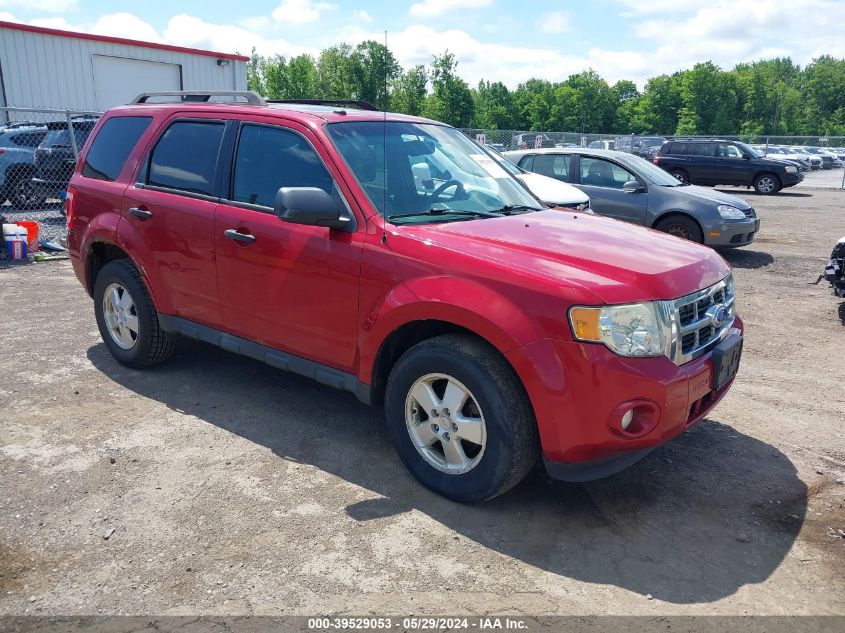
<point x="232" y="234"/>
<point x="138" y="212"/>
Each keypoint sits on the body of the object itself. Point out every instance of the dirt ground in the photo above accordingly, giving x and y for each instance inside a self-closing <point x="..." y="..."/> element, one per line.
<point x="218" y="485"/>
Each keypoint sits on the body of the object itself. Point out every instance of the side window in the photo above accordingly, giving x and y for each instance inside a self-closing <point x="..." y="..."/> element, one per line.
<point x="185" y="157"/>
<point x="729" y="151"/>
<point x="269" y="158"/>
<point x="680" y="149"/>
<point x="602" y="173"/>
<point x="112" y="146"/>
<point x="526" y="162"/>
<point x="551" y="165"/>
<point x="705" y="149"/>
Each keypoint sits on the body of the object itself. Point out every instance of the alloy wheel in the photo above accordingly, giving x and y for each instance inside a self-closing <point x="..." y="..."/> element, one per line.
<point x="445" y="423"/>
<point x="121" y="316"/>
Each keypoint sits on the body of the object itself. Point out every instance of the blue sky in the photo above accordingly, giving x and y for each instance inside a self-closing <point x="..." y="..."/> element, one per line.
<point x="493" y="39"/>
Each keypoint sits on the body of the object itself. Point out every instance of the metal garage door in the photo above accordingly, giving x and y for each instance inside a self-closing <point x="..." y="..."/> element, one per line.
<point x="118" y="79"/>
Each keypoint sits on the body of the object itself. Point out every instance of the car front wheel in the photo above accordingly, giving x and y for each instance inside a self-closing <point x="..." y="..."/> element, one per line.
<point x="460" y="419"/>
<point x="766" y="184"/>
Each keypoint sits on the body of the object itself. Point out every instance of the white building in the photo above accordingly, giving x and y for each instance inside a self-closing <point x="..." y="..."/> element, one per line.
<point x="49" y="68"/>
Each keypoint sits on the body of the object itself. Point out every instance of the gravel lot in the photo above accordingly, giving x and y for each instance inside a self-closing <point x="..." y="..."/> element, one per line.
<point x="217" y="485"/>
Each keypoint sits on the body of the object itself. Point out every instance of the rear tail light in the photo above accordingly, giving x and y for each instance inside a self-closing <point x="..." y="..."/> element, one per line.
<point x="656" y="159"/>
<point x="70" y="205"/>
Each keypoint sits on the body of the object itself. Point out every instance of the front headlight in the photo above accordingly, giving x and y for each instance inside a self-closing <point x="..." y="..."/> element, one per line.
<point x="730" y="213"/>
<point x="637" y="329"/>
<point x="791" y="169"/>
<point x="584" y="207"/>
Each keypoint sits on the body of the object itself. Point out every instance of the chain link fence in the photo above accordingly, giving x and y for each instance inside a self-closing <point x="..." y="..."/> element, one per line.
<point x="506" y="140"/>
<point x="38" y="152"/>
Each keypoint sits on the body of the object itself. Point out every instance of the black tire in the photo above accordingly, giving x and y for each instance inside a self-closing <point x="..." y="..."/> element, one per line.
<point x="152" y="345"/>
<point x="767" y="184"/>
<point x="512" y="443"/>
<point x="21" y="192"/>
<point x="680" y="174"/>
<point x="681" y="226"/>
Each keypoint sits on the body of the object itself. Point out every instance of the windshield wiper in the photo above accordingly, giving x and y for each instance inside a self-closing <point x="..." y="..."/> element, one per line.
<point x="436" y="211"/>
<point x="510" y="209"/>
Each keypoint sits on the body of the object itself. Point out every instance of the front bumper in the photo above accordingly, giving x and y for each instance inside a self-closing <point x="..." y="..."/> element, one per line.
<point x="576" y="389"/>
<point x="731" y="233"/>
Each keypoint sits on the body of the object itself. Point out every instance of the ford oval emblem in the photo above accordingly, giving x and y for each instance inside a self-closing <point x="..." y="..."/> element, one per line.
<point x="720" y="316"/>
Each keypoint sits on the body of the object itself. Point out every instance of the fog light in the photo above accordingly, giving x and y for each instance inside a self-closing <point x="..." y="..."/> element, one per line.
<point x="626" y="420"/>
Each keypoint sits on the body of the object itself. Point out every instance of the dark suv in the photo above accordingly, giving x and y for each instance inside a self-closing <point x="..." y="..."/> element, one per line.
<point x="55" y="158"/>
<point x="721" y="162"/>
<point x="17" y="163"/>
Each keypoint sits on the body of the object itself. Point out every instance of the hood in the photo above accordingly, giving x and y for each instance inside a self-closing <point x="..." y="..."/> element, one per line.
<point x="767" y="160"/>
<point x="554" y="191"/>
<point x="618" y="262"/>
<point x="711" y="195"/>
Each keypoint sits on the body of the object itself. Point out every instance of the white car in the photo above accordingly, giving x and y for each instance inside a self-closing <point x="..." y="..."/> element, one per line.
<point x="553" y="192"/>
<point x="781" y="153"/>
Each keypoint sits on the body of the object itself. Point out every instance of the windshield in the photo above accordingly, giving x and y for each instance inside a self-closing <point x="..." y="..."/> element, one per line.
<point x="61" y="138"/>
<point x="651" y="172"/>
<point x="431" y="173"/>
<point x="748" y="150"/>
<point x="652" y="142"/>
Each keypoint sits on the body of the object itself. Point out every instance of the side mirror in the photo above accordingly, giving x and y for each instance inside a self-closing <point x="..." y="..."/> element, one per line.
<point x="746" y="156"/>
<point x="632" y="186"/>
<point x="310" y="206"/>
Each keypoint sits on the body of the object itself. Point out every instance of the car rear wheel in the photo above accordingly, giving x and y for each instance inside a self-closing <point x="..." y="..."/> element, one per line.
<point x="127" y="318"/>
<point x="681" y="226"/>
<point x="22" y="193"/>
<point x="460" y="419"/>
<point x="766" y="184"/>
<point x="681" y="175"/>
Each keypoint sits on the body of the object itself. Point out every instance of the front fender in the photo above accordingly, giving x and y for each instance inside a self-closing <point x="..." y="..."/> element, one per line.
<point x="463" y="302"/>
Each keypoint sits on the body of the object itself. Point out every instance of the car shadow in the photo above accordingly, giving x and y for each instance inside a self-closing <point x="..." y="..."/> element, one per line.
<point x="691" y="523"/>
<point x="780" y="194"/>
<point x="744" y="258"/>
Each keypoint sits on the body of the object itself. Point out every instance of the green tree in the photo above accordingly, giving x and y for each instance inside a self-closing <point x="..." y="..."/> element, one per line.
<point x="372" y="67"/>
<point x="409" y="91"/>
<point x="334" y="73"/>
<point x="494" y="106"/>
<point x="451" y="99"/>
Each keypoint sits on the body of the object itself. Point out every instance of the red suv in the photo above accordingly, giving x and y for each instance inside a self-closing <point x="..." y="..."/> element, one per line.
<point x="387" y="255"/>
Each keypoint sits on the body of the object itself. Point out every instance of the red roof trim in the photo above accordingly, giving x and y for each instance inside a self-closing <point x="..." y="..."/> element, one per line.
<point x="118" y="40"/>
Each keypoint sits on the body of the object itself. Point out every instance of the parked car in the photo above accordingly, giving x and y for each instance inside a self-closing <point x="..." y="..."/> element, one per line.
<point x="602" y="144"/>
<point x="546" y="186"/>
<point x="484" y="324"/>
<point x="815" y="161"/>
<point x="829" y="161"/>
<point x="722" y="162"/>
<point x="530" y="140"/>
<point x="17" y="163"/>
<point x="55" y="158"/>
<point x="643" y="146"/>
<point x="630" y="188"/>
<point x="781" y="153"/>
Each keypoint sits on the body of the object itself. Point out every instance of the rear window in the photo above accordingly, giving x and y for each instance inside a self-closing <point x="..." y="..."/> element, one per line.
<point x="112" y="146"/>
<point x="185" y="157"/>
<point x="28" y="139"/>
<point x="61" y="137"/>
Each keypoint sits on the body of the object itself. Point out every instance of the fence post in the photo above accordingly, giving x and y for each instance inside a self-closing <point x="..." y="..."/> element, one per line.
<point x="72" y="135"/>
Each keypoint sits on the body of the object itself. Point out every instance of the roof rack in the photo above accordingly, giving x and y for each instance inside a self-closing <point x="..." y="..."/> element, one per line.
<point x="361" y="104"/>
<point x="201" y="96"/>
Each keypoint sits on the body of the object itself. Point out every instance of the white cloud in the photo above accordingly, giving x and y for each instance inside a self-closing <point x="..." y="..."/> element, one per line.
<point x="299" y="11"/>
<point x="364" y="16"/>
<point x="48" y="6"/>
<point x="255" y="23"/>
<point x="125" y="25"/>
<point x="431" y="8"/>
<point x="555" y="22"/>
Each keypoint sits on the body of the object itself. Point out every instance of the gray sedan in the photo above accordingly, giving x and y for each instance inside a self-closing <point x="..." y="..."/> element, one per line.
<point x="627" y="187"/>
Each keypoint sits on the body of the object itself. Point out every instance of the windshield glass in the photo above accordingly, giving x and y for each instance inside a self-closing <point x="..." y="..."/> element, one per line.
<point x="651" y="172"/>
<point x="652" y="142"/>
<point x="430" y="170"/>
<point x="61" y="138"/>
<point x="748" y="150"/>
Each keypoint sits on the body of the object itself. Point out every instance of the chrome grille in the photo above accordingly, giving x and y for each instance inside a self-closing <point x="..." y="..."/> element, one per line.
<point x="697" y="330"/>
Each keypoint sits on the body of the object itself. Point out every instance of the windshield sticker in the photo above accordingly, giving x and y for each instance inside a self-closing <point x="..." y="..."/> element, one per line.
<point x="489" y="165"/>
